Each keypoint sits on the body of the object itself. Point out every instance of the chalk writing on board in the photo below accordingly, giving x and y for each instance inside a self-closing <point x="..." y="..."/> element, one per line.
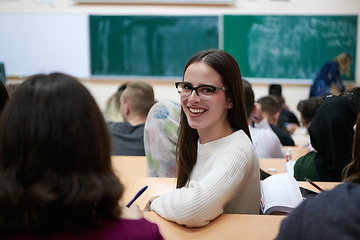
<point x="148" y="45"/>
<point x="290" y="46"/>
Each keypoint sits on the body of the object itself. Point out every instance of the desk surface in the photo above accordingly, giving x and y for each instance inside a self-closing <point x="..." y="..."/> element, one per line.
<point x="323" y="185"/>
<point x="129" y="166"/>
<point x="159" y="186"/>
<point x="273" y="165"/>
<point x="226" y="226"/>
<point x="156" y="187"/>
<point x="296" y="152"/>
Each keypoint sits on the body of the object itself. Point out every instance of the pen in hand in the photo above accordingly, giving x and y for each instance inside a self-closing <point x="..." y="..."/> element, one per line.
<point x="315" y="185"/>
<point x="136" y="196"/>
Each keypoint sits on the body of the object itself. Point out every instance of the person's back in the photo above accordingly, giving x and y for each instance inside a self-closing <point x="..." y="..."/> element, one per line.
<point x="287" y="119"/>
<point x="56" y="177"/>
<point x="135" y="103"/>
<point x="271" y="110"/>
<point x="127" y="140"/>
<point x="333" y="214"/>
<point x="265" y="141"/>
<point x="160" y="138"/>
<point x="112" y="108"/>
<point x="331" y="134"/>
<point x="307" y="109"/>
<point x="284" y="136"/>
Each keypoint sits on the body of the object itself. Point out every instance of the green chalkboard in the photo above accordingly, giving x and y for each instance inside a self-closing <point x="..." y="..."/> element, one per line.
<point x="148" y="45"/>
<point x="290" y="47"/>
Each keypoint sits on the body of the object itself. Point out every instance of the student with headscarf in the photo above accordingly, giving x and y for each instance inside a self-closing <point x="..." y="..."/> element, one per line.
<point x="331" y="134"/>
<point x="333" y="214"/>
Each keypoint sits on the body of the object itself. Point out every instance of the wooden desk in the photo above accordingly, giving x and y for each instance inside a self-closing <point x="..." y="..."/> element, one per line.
<point x="323" y="185"/>
<point x="296" y="152"/>
<point x="277" y="164"/>
<point x="156" y="187"/>
<point x="129" y="166"/>
<point x="226" y="226"/>
<point x="128" y="183"/>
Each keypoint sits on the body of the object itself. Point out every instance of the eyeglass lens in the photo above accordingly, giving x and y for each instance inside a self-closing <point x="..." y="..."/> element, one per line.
<point x="204" y="92"/>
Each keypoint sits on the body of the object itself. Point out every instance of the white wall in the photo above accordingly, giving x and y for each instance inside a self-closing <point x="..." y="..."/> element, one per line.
<point x="101" y="91"/>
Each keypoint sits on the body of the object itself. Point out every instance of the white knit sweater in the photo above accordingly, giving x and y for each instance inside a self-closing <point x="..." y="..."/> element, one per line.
<point x="225" y="179"/>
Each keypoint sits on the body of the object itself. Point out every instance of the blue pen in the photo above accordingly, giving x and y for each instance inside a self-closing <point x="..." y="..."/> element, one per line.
<point x="136" y="196"/>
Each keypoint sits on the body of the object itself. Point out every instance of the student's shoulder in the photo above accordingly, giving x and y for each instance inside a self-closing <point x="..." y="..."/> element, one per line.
<point x="331" y="213"/>
<point x="116" y="126"/>
<point x="332" y="202"/>
<point x="262" y="132"/>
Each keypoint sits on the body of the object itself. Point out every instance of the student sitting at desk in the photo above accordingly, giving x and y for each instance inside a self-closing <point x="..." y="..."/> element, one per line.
<point x="307" y="109"/>
<point x="270" y="106"/>
<point x="218" y="170"/>
<point x="112" y="107"/>
<point x="56" y="177"/>
<point x="331" y="134"/>
<point x="287" y="119"/>
<point x="266" y="142"/>
<point x="127" y="137"/>
<point x="332" y="215"/>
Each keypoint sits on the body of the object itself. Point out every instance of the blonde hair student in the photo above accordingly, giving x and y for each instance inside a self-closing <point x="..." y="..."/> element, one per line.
<point x="218" y="170"/>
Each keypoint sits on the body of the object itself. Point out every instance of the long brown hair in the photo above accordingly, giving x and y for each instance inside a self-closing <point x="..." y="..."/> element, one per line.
<point x="227" y="67"/>
<point x="55" y="162"/>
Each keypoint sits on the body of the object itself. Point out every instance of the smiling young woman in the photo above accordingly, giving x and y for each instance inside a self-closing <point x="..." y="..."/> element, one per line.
<point x="218" y="170"/>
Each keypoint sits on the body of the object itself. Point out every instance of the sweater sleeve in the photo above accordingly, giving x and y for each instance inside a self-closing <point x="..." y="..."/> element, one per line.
<point x="204" y="200"/>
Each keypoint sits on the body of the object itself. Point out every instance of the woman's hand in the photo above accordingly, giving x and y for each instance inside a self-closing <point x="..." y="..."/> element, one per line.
<point x="132" y="212"/>
<point x="147" y="207"/>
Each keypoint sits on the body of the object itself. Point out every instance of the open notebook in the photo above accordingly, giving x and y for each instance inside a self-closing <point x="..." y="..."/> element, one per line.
<point x="280" y="193"/>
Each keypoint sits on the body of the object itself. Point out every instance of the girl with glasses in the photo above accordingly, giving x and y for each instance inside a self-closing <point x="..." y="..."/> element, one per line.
<point x="218" y="170"/>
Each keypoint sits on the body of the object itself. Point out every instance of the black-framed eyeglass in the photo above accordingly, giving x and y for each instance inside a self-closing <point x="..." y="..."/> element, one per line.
<point x="205" y="92"/>
<point x="348" y="95"/>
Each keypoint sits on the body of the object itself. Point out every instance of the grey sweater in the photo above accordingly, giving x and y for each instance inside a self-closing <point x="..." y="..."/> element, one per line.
<point x="330" y="215"/>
